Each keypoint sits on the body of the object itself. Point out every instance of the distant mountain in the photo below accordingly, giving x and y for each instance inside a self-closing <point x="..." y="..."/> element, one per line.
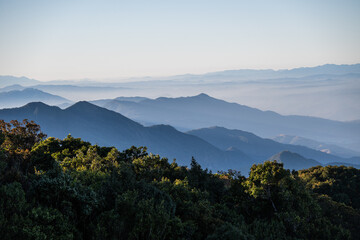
<point x="11" y="80"/>
<point x="248" y="74"/>
<point x="64" y="105"/>
<point x="328" y="91"/>
<point x="261" y="149"/>
<point x="327" y="148"/>
<point x="18" y="98"/>
<point x="343" y="164"/>
<point x="239" y="74"/>
<point x="293" y="160"/>
<point x="12" y="88"/>
<point x="201" y="111"/>
<point x="104" y="127"/>
<point x="77" y="93"/>
<point x="262" y="74"/>
<point x="103" y="102"/>
<point x="323" y="69"/>
<point x="297" y="162"/>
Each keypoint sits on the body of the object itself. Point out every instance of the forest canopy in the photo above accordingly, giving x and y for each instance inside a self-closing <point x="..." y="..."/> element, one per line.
<point x="70" y="189"/>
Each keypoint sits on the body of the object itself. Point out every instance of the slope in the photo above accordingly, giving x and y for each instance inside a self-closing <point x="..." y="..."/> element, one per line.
<point x="104" y="127"/>
<point x="328" y="148"/>
<point x="17" y="98"/>
<point x="201" y="111"/>
<point x="258" y="148"/>
<point x="293" y="160"/>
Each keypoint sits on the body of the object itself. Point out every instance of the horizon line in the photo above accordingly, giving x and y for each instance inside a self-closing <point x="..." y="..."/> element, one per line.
<point x="175" y="75"/>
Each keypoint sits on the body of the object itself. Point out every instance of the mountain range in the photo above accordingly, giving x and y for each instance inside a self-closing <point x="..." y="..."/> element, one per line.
<point x="293" y="160"/>
<point x="186" y="113"/>
<point x="328" y="91"/>
<point x="147" y="119"/>
<point x="11" y="80"/>
<point x="323" y="147"/>
<point x="214" y="148"/>
<point x="297" y="162"/>
<point x="105" y="127"/>
<point x="259" y="148"/>
<point x="17" y="98"/>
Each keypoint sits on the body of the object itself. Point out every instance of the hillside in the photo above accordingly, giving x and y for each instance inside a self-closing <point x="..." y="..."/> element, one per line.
<point x="108" y="128"/>
<point x="186" y="113"/>
<point x="17" y="98"/>
<point x="294" y="160"/>
<point x="12" y="88"/>
<point x="62" y="188"/>
<point x="327" y="148"/>
<point x="259" y="148"/>
<point x="11" y="80"/>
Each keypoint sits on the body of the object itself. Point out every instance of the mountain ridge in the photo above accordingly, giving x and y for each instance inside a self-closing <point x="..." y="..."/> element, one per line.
<point x="201" y="111"/>
<point x="294" y="161"/>
<point x="17" y="98"/>
<point x="259" y="148"/>
<point x="106" y="127"/>
<point x="328" y="148"/>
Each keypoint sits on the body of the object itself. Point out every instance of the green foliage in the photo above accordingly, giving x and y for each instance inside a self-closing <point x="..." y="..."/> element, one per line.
<point x="70" y="189"/>
<point x="21" y="220"/>
<point x="340" y="214"/>
<point x="230" y="232"/>
<point x="342" y="183"/>
<point x="285" y="199"/>
<point x="16" y="141"/>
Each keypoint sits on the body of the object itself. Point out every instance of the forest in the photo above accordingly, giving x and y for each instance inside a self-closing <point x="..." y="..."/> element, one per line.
<point x="70" y="189"/>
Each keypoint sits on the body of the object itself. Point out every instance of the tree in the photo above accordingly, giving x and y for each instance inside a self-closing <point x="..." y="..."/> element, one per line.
<point x="17" y="139"/>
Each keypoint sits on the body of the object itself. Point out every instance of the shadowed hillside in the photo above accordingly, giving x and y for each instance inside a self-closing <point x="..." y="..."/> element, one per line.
<point x="204" y="111"/>
<point x="101" y="126"/>
<point x="261" y="149"/>
<point x="17" y="98"/>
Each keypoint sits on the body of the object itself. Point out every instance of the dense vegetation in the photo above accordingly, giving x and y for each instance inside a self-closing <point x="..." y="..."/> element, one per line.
<point x="70" y="189"/>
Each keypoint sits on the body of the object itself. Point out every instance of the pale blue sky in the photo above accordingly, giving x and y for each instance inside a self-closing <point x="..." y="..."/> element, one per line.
<point x="62" y="39"/>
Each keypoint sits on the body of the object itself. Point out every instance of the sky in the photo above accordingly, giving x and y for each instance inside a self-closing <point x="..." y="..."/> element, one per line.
<point x="104" y="39"/>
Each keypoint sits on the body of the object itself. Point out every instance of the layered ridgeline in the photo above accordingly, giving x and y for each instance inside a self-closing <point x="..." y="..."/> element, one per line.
<point x="11" y="80"/>
<point x="214" y="148"/>
<point x="186" y="113"/>
<point x="101" y="126"/>
<point x="328" y="148"/>
<point x="296" y="161"/>
<point x="293" y="160"/>
<point x="261" y="149"/>
<point x="73" y="92"/>
<point x="10" y="98"/>
<point x="69" y="189"/>
<point x="328" y="91"/>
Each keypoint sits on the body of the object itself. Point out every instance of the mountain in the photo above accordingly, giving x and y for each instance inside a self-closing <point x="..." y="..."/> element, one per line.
<point x="328" y="91"/>
<point x="239" y="74"/>
<point x="11" y="80"/>
<point x="104" y="127"/>
<point x="343" y="164"/>
<point x="12" y="88"/>
<point x="327" y="69"/>
<point x="79" y="93"/>
<point x="293" y="160"/>
<point x="108" y="102"/>
<point x="186" y="113"/>
<point x="327" y="148"/>
<point x="297" y="162"/>
<point x="18" y="98"/>
<point x="261" y="149"/>
<point x="323" y="69"/>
